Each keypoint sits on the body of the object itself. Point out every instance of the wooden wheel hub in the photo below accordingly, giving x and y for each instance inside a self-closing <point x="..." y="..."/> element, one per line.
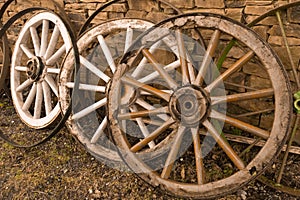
<point x="35" y="68"/>
<point x="190" y="105"/>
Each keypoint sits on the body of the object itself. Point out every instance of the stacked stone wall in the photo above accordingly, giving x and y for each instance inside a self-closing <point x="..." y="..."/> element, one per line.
<point x="241" y="10"/>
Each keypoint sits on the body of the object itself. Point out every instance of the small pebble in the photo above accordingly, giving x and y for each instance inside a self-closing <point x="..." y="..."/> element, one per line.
<point x="244" y="197"/>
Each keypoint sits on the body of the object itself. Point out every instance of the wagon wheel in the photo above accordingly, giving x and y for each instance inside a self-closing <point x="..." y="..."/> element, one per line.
<point x="192" y="103"/>
<point x="35" y="66"/>
<point x="100" y="48"/>
<point x="13" y="130"/>
<point x="5" y="65"/>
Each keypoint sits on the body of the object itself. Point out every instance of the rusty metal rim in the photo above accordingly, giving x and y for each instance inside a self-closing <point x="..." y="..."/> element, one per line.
<point x="272" y="12"/>
<point x="5" y="51"/>
<point x="91" y="18"/>
<point x="6" y="61"/>
<point x="61" y="123"/>
<point x="277" y="185"/>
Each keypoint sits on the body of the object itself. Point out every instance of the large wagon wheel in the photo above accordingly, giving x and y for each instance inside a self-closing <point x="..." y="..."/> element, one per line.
<point x="190" y="103"/>
<point x="35" y="66"/>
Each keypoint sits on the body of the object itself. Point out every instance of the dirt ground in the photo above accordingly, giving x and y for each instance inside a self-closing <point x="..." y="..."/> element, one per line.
<point x="62" y="169"/>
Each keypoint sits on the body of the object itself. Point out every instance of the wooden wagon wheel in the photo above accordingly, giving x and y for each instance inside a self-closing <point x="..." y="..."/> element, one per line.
<point x="192" y="102"/>
<point x="13" y="130"/>
<point x="99" y="49"/>
<point x="5" y="49"/>
<point x="35" y="66"/>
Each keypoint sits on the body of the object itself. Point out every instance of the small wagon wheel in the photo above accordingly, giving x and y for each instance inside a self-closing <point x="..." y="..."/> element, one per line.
<point x="35" y="66"/>
<point x="199" y="105"/>
<point x="13" y="130"/>
<point x="5" y="49"/>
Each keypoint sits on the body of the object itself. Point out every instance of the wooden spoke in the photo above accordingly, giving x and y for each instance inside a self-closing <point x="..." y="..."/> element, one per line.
<point x="24" y="85"/>
<point x="172" y="84"/>
<point x="147" y="88"/>
<point x="214" y="41"/>
<point x="44" y="39"/>
<point x="147" y="106"/>
<point x="100" y="130"/>
<point x="90" y="109"/>
<point x="136" y="73"/>
<point x="53" y="70"/>
<point x="30" y="98"/>
<point x="235" y="67"/>
<point x="154" y="75"/>
<point x="35" y="40"/>
<point x="243" y="96"/>
<point x="52" y="84"/>
<point x="129" y="38"/>
<point x="198" y="157"/>
<point x="224" y="145"/>
<point x="56" y="56"/>
<point x="38" y="101"/>
<point x="144" y="113"/>
<point x="169" y="41"/>
<point x="173" y="153"/>
<point x="123" y="122"/>
<point x="53" y="42"/>
<point x="87" y="87"/>
<point x="191" y="72"/>
<point x="26" y="50"/>
<point x="94" y="69"/>
<point x="183" y="59"/>
<point x="240" y="86"/>
<point x="21" y="68"/>
<point x="254" y="113"/>
<point x="142" y="127"/>
<point x="153" y="122"/>
<point x="149" y="94"/>
<point x="107" y="53"/>
<point x="241" y="125"/>
<point x="152" y="136"/>
<point x="47" y="97"/>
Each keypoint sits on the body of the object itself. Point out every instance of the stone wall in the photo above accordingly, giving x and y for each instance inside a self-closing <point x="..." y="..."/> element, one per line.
<point x="241" y="10"/>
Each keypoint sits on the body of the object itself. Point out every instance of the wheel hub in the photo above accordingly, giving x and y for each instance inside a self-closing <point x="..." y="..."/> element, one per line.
<point x="35" y="68"/>
<point x="190" y="105"/>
